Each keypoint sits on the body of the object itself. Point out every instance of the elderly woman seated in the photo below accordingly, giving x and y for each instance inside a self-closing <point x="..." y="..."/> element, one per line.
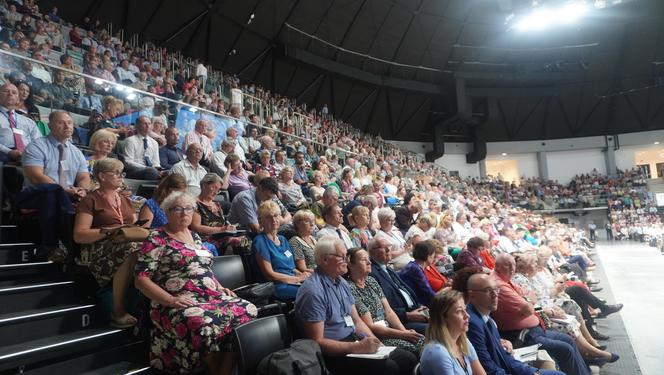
<point x="373" y="308"/>
<point x="415" y="274"/>
<point x="192" y="314"/>
<point x="303" y="243"/>
<point x="273" y="255"/>
<point x="264" y="163"/>
<point x="291" y="193"/>
<point x="421" y="230"/>
<point x="102" y="143"/>
<point x="209" y="217"/>
<point x="238" y="178"/>
<point x="400" y="249"/>
<point x="110" y="263"/>
<point x="151" y="211"/>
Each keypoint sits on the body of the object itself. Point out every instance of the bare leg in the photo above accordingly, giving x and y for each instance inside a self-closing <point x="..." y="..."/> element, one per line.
<point x="589" y="351"/>
<point x="121" y="280"/>
<point x="586" y="334"/>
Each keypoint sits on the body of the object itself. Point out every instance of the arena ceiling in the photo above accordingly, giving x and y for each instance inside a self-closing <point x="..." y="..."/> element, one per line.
<point x="403" y="64"/>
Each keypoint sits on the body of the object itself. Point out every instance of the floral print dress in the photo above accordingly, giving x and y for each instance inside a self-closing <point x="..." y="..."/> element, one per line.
<point x="182" y="337"/>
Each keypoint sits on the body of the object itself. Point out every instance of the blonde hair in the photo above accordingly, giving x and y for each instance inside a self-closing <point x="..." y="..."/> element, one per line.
<point x="437" y="331"/>
<point x="102" y="135"/>
<point x="357" y="211"/>
<point x="301" y="216"/>
<point x="106" y="165"/>
<point x="267" y="208"/>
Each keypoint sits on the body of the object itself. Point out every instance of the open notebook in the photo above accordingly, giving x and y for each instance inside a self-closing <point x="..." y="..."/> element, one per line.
<point x="382" y="353"/>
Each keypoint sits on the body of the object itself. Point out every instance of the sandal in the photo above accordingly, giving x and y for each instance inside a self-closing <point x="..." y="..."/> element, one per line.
<point x="125" y="321"/>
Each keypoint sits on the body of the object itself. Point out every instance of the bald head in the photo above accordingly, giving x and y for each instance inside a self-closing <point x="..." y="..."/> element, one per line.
<point x="482" y="293"/>
<point x="505" y="266"/>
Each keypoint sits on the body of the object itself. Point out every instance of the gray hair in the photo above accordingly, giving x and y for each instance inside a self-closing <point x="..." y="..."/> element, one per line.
<point x="176" y="196"/>
<point x="227" y="143"/>
<point x="211" y="178"/>
<point x="330" y="192"/>
<point x="386" y="213"/>
<point x="324" y="246"/>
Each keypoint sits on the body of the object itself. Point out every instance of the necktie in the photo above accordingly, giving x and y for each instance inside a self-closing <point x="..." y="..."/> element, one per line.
<point x="18" y="141"/>
<point x="339" y="234"/>
<point x="62" y="173"/>
<point x="148" y="162"/>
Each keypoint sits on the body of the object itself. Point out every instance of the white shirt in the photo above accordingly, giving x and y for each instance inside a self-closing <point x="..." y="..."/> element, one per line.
<point x="329" y="230"/>
<point x="201" y="70"/>
<point x="135" y="153"/>
<point x="125" y="75"/>
<point x="217" y="162"/>
<point x="191" y="174"/>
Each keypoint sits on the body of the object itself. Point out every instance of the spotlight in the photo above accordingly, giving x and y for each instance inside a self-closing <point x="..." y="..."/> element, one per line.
<point x="656" y="142"/>
<point x="504" y="154"/>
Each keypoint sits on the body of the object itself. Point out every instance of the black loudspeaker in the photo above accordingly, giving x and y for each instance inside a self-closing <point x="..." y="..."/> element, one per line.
<point x="438" y="144"/>
<point x="479" y="148"/>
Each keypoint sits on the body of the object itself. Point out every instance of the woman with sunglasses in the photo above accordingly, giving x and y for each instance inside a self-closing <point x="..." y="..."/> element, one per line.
<point x="192" y="313"/>
<point x="109" y="262"/>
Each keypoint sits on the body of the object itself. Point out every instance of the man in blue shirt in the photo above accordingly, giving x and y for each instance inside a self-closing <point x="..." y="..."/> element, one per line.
<point x="56" y="175"/>
<point x="325" y="310"/>
<point x="170" y="154"/>
<point x="483" y="332"/>
<point x="16" y="131"/>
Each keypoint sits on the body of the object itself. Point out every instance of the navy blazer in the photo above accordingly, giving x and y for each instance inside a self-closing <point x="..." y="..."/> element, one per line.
<point x="490" y="352"/>
<point x="392" y="292"/>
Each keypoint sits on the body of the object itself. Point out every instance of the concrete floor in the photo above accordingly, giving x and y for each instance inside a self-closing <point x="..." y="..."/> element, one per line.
<point x="633" y="274"/>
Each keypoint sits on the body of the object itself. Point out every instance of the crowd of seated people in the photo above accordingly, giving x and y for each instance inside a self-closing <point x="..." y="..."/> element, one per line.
<point x="364" y="245"/>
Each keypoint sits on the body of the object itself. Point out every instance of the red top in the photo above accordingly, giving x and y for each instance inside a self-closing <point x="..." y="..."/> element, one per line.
<point x="487" y="258"/>
<point x="509" y="314"/>
<point x="435" y="278"/>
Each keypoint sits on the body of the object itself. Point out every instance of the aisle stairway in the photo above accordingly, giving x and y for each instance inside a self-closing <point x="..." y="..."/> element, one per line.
<point x="48" y="327"/>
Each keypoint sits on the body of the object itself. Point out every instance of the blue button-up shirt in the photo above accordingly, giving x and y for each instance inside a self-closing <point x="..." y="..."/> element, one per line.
<point x="44" y="153"/>
<point x="26" y="129"/>
<point x="321" y="299"/>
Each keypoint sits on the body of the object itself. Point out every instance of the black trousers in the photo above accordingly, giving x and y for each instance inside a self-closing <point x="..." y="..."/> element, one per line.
<point x="584" y="298"/>
<point x="400" y="362"/>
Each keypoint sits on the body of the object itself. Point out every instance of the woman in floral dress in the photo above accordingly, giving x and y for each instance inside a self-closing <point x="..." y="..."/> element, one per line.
<point x="191" y="312"/>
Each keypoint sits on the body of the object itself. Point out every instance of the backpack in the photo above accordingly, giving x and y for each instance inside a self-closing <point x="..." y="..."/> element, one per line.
<point x="304" y="357"/>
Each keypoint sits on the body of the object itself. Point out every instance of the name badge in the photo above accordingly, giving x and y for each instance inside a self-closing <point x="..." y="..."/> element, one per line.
<point x="64" y="165"/>
<point x="18" y="131"/>
<point x="288" y="254"/>
<point x="203" y="253"/>
<point x="349" y="321"/>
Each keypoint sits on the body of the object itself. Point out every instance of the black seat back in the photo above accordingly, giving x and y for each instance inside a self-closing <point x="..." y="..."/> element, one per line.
<point x="258" y="338"/>
<point x="229" y="271"/>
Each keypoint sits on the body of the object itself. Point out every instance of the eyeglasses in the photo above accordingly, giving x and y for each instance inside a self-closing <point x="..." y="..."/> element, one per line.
<point x="180" y="210"/>
<point x="343" y="258"/>
<point x="117" y="173"/>
<point x="495" y="291"/>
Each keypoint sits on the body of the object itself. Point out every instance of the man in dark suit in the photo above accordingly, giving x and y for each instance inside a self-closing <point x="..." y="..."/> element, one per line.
<point x="401" y="298"/>
<point x="483" y="334"/>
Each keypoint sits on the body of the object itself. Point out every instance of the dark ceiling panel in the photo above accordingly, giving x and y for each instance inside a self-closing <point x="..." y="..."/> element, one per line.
<point x="611" y="52"/>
